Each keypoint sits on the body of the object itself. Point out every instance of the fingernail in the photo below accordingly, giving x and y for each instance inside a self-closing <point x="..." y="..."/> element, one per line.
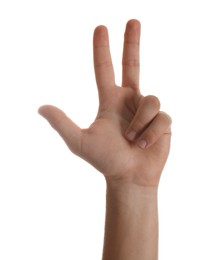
<point x="131" y="135"/>
<point x="142" y="144"/>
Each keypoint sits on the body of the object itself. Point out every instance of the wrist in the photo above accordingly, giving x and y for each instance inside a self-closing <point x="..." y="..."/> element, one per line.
<point x="120" y="187"/>
<point x="135" y="177"/>
<point x="131" y="195"/>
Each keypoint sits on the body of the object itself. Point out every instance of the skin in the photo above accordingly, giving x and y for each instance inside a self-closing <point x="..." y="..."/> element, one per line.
<point x="105" y="144"/>
<point x="128" y="142"/>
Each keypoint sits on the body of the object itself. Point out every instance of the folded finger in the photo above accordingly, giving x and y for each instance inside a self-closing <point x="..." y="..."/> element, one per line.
<point x="148" y="108"/>
<point x="158" y="127"/>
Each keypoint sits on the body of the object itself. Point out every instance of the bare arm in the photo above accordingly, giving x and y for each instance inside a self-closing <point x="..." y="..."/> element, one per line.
<point x="128" y="143"/>
<point x="131" y="228"/>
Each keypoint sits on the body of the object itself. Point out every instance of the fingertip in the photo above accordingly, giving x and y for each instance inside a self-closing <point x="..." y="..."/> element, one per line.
<point x="133" y="24"/>
<point x="101" y="28"/>
<point x="101" y="36"/>
<point x="40" y="110"/>
<point x="131" y="135"/>
<point x="51" y="113"/>
<point x="43" y="110"/>
<point x="142" y="143"/>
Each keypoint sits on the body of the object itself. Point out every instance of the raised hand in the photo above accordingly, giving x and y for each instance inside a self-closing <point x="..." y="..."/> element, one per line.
<point x="130" y="138"/>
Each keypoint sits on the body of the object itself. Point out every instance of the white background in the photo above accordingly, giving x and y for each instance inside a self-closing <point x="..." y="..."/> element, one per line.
<point x="52" y="204"/>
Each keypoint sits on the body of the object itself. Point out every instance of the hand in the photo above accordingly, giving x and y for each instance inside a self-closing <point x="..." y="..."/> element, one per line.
<point x="130" y="137"/>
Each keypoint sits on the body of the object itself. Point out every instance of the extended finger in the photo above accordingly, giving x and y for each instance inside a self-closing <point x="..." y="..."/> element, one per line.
<point x="131" y="55"/>
<point x="104" y="71"/>
<point x="148" y="108"/>
<point x="67" y="129"/>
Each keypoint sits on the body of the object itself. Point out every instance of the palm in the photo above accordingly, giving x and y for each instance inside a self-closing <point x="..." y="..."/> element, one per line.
<point x="105" y="144"/>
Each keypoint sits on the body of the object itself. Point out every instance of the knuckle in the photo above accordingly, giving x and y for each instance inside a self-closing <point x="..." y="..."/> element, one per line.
<point x="131" y="62"/>
<point x="166" y="117"/>
<point x="103" y="64"/>
<point x="153" y="101"/>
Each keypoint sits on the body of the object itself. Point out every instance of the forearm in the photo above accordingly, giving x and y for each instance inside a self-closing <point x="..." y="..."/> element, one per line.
<point x="131" y="226"/>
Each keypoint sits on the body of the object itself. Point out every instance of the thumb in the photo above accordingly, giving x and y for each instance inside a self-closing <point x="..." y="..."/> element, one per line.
<point x="67" y="129"/>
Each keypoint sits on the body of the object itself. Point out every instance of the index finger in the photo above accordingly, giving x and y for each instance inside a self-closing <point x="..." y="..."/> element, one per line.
<point x="104" y="72"/>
